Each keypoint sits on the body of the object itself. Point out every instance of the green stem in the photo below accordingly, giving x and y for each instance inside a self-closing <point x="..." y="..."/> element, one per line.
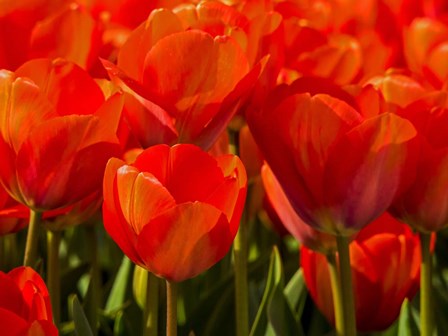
<point x="346" y="284"/>
<point x="95" y="287"/>
<point x="150" y="313"/>
<point x="171" y="308"/>
<point x="32" y="239"/>
<point x="426" y="322"/>
<point x="336" y="291"/>
<point x="53" y="274"/>
<point x="241" y="286"/>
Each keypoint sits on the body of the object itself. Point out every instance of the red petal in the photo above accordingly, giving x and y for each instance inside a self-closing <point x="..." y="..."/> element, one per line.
<point x="189" y="173"/>
<point x="67" y="86"/>
<point x="200" y="234"/>
<point x="63" y="161"/>
<point x="363" y="185"/>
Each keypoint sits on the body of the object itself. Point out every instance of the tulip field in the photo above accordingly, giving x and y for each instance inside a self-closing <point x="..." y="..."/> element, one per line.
<point x="224" y="167"/>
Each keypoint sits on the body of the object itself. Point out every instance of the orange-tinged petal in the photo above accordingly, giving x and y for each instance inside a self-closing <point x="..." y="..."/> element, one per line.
<point x="141" y="197"/>
<point x="160" y="23"/>
<point x="399" y="89"/>
<point x="113" y="219"/>
<point x="70" y="33"/>
<point x="70" y="88"/>
<point x="22" y="107"/>
<point x="200" y="70"/>
<point x="200" y="234"/>
<point x="363" y="186"/>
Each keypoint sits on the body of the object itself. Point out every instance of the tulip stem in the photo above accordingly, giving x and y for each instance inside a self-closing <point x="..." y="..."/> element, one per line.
<point x="241" y="287"/>
<point x="151" y="311"/>
<point x="32" y="239"/>
<point x="171" y="308"/>
<point x="53" y="274"/>
<point x="95" y="287"/>
<point x="336" y="291"/>
<point x="426" y="322"/>
<point x="346" y="284"/>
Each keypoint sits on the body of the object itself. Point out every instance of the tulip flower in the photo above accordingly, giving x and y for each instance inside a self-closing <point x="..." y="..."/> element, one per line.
<point x="386" y="267"/>
<point x="176" y="210"/>
<point x="56" y="133"/>
<point x="25" y="307"/>
<point x="200" y="86"/>
<point x="426" y="49"/>
<point x="305" y="140"/>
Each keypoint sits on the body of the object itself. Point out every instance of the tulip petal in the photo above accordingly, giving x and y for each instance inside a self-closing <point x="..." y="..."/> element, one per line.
<point x="160" y="23"/>
<point x="185" y="170"/>
<point x="200" y="233"/>
<point x="363" y="185"/>
<point x="12" y="324"/>
<point x="62" y="161"/>
<point x="22" y="107"/>
<point x="64" y="83"/>
<point x="113" y="220"/>
<point x="142" y="197"/>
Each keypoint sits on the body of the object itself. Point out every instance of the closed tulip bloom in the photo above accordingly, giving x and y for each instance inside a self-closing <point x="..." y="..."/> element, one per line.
<point x="386" y="266"/>
<point x="339" y="168"/>
<point x="176" y="210"/>
<point x="56" y="133"/>
<point x="424" y="205"/>
<point x="25" y="307"/>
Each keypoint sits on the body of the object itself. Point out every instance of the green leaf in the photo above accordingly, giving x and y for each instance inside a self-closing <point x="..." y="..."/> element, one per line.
<point x="82" y="327"/>
<point x="116" y="299"/>
<point x="407" y="325"/>
<point x="274" y="316"/>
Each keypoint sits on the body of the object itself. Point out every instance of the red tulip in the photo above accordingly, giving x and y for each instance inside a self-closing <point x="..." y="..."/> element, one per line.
<point x="304" y="233"/>
<point x="25" y="307"/>
<point x="200" y="86"/>
<point x="176" y="210"/>
<point x="424" y="205"/>
<point x="56" y="133"/>
<point x="339" y="168"/>
<point x="426" y="49"/>
<point x="385" y="261"/>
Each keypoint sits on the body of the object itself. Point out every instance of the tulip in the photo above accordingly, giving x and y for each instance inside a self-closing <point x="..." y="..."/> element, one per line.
<point x="386" y="267"/>
<point x="426" y="49"/>
<point x="176" y="210"/>
<point x="56" y="133"/>
<point x="25" y="307"/>
<point x="305" y="140"/>
<point x="196" y="86"/>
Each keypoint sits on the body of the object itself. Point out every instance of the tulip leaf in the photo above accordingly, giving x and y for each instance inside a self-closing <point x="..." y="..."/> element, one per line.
<point x="274" y="316"/>
<point x="296" y="293"/>
<point x="407" y="325"/>
<point x="82" y="327"/>
<point x="116" y="299"/>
